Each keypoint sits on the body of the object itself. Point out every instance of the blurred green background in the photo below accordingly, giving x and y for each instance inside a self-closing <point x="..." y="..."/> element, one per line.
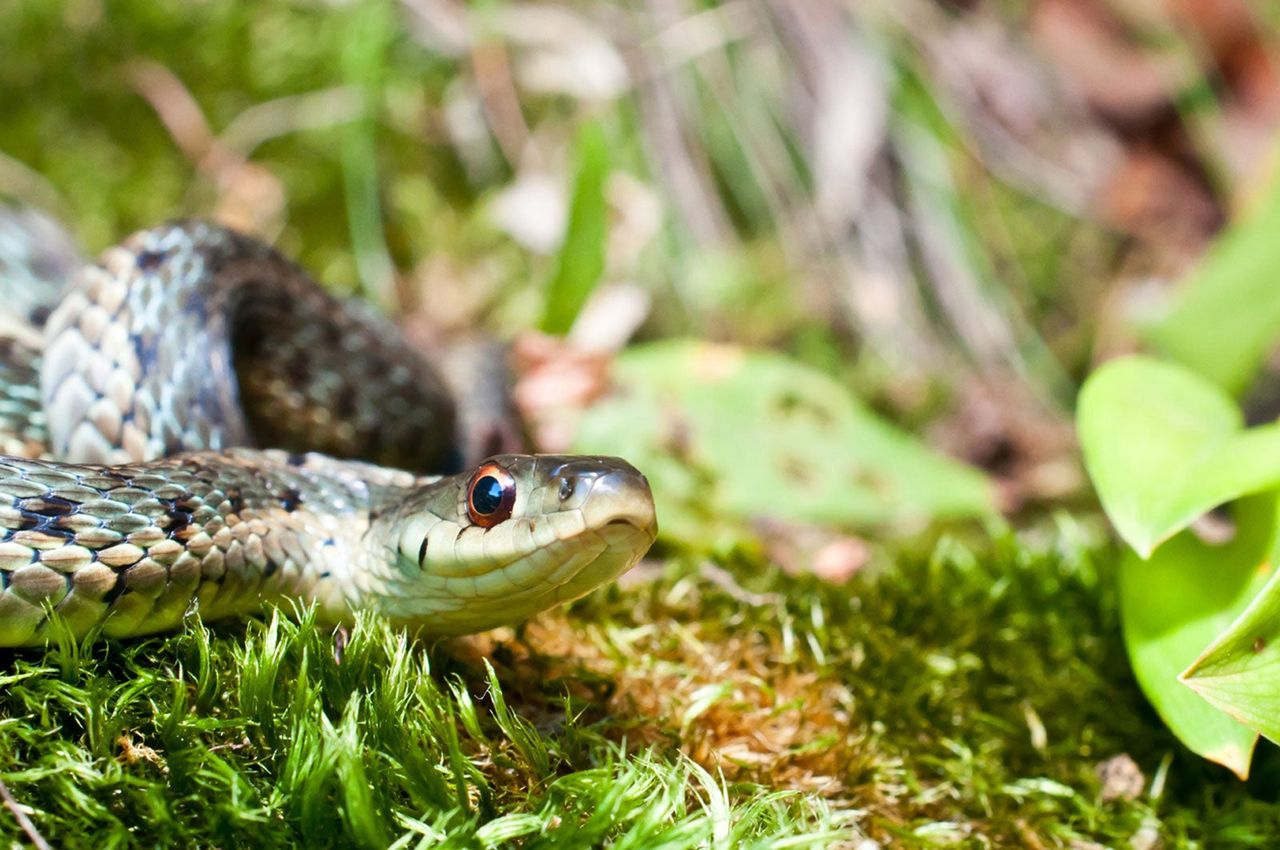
<point x="953" y="207"/>
<point x="830" y="177"/>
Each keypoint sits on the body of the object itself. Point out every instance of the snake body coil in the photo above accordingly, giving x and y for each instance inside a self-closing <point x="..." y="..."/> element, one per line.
<point x="188" y="341"/>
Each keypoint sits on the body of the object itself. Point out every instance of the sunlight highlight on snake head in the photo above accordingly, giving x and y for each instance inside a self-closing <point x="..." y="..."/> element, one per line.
<point x="518" y="535"/>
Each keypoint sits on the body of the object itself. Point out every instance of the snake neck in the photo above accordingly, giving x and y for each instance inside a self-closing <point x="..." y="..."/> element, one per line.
<point x="349" y="529"/>
<point x="323" y="527"/>
<point x="132" y="549"/>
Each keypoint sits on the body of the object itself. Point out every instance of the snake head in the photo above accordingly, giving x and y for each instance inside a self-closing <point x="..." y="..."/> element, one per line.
<point x="517" y="535"/>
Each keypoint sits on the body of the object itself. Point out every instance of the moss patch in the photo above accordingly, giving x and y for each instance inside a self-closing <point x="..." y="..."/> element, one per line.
<point x="965" y="697"/>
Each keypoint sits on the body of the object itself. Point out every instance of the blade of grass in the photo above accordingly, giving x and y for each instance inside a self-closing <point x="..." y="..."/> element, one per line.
<point x="580" y="263"/>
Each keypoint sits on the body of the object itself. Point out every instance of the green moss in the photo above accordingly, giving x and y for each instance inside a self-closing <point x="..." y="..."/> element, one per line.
<point x="966" y="695"/>
<point x="258" y="736"/>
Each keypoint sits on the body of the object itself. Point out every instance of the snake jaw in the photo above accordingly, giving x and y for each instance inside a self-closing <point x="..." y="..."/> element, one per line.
<point x="576" y="523"/>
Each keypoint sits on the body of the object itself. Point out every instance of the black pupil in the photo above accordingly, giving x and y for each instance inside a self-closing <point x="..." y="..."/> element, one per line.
<point x="486" y="496"/>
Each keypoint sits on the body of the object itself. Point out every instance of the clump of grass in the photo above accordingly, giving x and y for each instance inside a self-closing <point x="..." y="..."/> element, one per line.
<point x="961" y="697"/>
<point x="258" y="735"/>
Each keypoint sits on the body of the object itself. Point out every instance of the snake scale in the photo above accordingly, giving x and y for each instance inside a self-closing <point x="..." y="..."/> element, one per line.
<point x="139" y="396"/>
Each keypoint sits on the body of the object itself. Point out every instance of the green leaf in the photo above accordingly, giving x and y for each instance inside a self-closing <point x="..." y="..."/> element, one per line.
<point x="1176" y="603"/>
<point x="1239" y="672"/>
<point x="581" y="259"/>
<point x="727" y="435"/>
<point x="1229" y="315"/>
<point x="1163" y="446"/>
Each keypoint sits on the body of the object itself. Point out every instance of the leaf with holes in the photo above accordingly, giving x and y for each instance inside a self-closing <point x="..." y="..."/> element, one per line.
<point x="727" y="434"/>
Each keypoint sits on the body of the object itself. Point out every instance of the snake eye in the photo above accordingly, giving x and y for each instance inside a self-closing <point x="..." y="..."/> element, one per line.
<point x="490" y="495"/>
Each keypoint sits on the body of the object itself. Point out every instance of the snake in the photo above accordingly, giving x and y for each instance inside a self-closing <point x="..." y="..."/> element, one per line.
<point x="192" y="424"/>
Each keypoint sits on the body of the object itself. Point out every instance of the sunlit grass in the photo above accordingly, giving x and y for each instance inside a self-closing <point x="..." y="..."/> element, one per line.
<point x="259" y="734"/>
<point x="964" y="695"/>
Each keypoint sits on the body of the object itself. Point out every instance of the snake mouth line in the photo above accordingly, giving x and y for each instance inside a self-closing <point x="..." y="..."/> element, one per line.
<point x="636" y="524"/>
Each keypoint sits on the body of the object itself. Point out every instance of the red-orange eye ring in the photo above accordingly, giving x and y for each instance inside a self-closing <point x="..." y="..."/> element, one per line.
<point x="491" y="494"/>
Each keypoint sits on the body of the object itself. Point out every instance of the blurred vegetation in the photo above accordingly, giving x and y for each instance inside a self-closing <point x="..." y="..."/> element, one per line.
<point x="937" y="215"/>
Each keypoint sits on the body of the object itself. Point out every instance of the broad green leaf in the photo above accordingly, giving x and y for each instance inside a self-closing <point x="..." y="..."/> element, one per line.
<point x="1228" y="317"/>
<point x="727" y="435"/>
<point x="1163" y="446"/>
<point x="581" y="260"/>
<point x="1240" y="672"/>
<point x="1176" y="603"/>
